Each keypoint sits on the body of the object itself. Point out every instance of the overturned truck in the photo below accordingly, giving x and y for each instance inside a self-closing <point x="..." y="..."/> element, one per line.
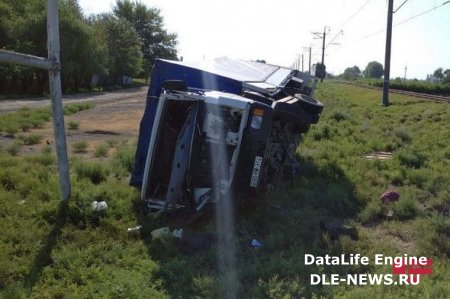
<point x="220" y="127"/>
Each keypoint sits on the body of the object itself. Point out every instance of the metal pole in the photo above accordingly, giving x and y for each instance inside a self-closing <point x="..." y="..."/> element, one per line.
<point x="309" y="69"/>
<point x="24" y="59"/>
<point x="323" y="45"/>
<point x="302" y="63"/>
<point x="387" y="57"/>
<point x="323" y="48"/>
<point x="55" y="91"/>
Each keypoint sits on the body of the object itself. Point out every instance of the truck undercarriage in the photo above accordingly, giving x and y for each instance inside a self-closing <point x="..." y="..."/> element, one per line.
<point x="206" y="143"/>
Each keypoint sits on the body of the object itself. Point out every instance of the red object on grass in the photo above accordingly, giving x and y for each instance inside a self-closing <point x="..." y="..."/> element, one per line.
<point x="389" y="196"/>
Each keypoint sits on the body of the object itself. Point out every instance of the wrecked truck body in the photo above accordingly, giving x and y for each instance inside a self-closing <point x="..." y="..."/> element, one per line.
<point x="222" y="127"/>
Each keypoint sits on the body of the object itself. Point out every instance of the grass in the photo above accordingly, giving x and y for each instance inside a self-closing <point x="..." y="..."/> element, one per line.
<point x="48" y="250"/>
<point x="73" y="125"/>
<point x="31" y="139"/>
<point x="101" y="150"/>
<point x="412" y="85"/>
<point x="80" y="146"/>
<point x="25" y="118"/>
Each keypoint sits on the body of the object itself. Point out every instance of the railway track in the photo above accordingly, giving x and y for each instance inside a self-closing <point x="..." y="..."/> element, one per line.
<point x="430" y="97"/>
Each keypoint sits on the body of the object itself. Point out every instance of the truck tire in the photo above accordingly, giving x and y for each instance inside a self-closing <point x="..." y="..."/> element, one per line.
<point x="309" y="104"/>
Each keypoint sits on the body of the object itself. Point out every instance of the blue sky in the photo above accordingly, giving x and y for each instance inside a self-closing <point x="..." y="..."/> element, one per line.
<point x="277" y="30"/>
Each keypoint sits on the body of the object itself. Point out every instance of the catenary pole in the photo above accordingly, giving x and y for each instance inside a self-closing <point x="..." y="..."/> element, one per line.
<point x="387" y="57"/>
<point x="55" y="91"/>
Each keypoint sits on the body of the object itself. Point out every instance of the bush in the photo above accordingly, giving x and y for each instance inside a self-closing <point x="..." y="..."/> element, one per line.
<point x="101" y="150"/>
<point x="340" y="115"/>
<point x="73" y="125"/>
<point x="402" y="134"/>
<point x="94" y="171"/>
<point x="411" y="158"/>
<point x="77" y="107"/>
<point x="14" y="148"/>
<point x="80" y="146"/>
<point x="31" y="139"/>
<point x="123" y="160"/>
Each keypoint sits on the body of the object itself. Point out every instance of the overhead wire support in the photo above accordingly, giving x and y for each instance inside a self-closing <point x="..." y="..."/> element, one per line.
<point x="400" y="6"/>
<point x="387" y="56"/>
<point x="404" y="21"/>
<point x="332" y="40"/>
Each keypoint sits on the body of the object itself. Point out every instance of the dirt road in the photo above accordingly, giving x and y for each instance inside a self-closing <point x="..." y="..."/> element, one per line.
<point x="116" y="116"/>
<point x="99" y="98"/>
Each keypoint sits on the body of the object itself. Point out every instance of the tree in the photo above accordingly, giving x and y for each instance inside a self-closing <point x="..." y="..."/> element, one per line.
<point x="446" y="78"/>
<point x="374" y="69"/>
<point x="438" y="74"/>
<point x="123" y="46"/>
<point x="351" y="73"/>
<point x="149" y="25"/>
<point x="23" y="29"/>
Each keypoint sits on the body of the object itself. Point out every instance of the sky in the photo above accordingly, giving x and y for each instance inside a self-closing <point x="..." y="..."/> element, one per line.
<point x="280" y="31"/>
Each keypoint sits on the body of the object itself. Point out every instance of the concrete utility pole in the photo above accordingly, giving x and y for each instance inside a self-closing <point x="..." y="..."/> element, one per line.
<point x="323" y="45"/>
<point x="302" y="63"/>
<point x="52" y="64"/>
<point x="309" y="69"/>
<point x="404" y="78"/>
<point x="387" y="57"/>
<point x="309" y="65"/>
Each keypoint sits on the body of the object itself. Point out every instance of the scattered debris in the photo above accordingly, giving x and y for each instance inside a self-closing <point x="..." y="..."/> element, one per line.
<point x="134" y="229"/>
<point x="177" y="233"/>
<point x="99" y="205"/>
<point x="256" y="244"/>
<point x="379" y="156"/>
<point x="389" y="196"/>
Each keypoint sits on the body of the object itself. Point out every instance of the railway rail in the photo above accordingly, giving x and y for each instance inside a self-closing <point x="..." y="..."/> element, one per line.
<point x="430" y="97"/>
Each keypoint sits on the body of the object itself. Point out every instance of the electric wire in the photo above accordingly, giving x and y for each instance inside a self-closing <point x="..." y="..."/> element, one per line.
<point x="404" y="21"/>
<point x="354" y="15"/>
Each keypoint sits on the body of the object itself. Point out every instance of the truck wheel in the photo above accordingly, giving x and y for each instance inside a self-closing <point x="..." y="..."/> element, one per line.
<point x="309" y="104"/>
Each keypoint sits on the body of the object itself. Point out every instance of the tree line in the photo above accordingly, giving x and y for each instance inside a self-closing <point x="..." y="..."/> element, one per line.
<point x="96" y="51"/>
<point x="375" y="70"/>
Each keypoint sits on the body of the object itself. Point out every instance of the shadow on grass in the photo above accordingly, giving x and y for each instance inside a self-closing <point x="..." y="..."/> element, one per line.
<point x="289" y="223"/>
<point x="43" y="257"/>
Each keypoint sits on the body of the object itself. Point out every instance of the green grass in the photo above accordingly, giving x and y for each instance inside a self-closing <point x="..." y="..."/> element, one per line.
<point x="73" y="125"/>
<point x="25" y="118"/>
<point x="101" y="150"/>
<point x="412" y="85"/>
<point x="80" y="146"/>
<point x="31" y="139"/>
<point x="48" y="250"/>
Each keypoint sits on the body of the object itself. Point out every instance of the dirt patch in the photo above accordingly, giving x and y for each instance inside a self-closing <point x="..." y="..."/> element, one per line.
<point x="110" y="120"/>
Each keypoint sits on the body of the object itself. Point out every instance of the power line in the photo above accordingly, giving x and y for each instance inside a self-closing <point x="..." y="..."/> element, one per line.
<point x="406" y="20"/>
<point x="348" y="20"/>
<point x="337" y="34"/>
<point x="354" y="15"/>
